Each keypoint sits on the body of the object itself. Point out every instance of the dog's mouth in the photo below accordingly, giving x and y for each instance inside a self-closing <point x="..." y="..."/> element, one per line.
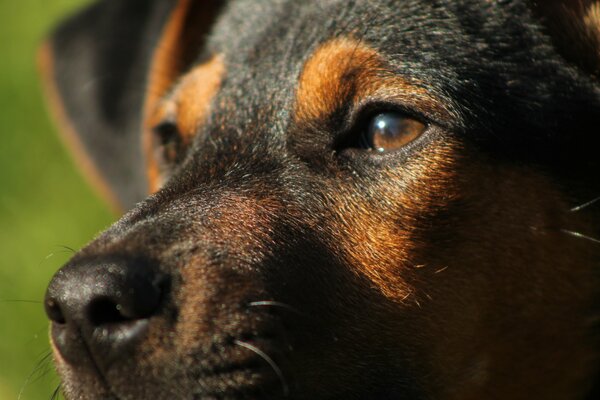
<point x="233" y="381"/>
<point x="245" y="367"/>
<point x="272" y="351"/>
<point x="255" y="375"/>
<point x="118" y="334"/>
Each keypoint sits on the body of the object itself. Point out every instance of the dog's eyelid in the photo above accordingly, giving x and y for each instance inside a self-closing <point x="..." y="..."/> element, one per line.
<point x="358" y="116"/>
<point x="373" y="105"/>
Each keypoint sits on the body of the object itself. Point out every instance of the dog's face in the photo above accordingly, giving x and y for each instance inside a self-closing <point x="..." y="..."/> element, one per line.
<point x="365" y="200"/>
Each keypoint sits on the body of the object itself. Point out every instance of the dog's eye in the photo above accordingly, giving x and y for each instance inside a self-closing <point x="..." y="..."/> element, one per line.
<point x="168" y="144"/>
<point x="390" y="131"/>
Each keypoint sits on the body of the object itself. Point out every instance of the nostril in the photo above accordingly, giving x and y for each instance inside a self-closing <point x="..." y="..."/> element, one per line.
<point x="54" y="312"/>
<point x="105" y="311"/>
<point x="103" y="308"/>
<point x="99" y="294"/>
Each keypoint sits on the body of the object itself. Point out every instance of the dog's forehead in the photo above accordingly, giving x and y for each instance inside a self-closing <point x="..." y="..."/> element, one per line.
<point x="272" y="31"/>
<point x="266" y="45"/>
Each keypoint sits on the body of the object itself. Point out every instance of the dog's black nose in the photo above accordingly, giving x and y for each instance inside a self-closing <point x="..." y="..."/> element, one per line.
<point x="101" y="308"/>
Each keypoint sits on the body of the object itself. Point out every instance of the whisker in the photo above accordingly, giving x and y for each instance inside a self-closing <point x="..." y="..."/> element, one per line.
<point x="586" y="205"/>
<point x="311" y="319"/>
<point x="20" y="301"/>
<point x="348" y="67"/>
<point x="439" y="271"/>
<point x="269" y="360"/>
<point x="55" y="395"/>
<point x="580" y="236"/>
<point x="269" y="303"/>
<point x="49" y="256"/>
<point x="67" y="248"/>
<point x="40" y="369"/>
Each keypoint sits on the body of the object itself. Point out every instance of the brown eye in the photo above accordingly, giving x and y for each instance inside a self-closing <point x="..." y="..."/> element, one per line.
<point x="390" y="131"/>
<point x="168" y="145"/>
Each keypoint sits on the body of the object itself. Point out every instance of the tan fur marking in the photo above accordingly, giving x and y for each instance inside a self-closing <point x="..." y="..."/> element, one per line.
<point x="166" y="61"/>
<point x="248" y="223"/>
<point x="165" y="66"/>
<point x="67" y="131"/>
<point x="478" y="294"/>
<point x="592" y="23"/>
<point x="345" y="69"/>
<point x="575" y="29"/>
<point x="188" y="106"/>
<point x="380" y="244"/>
<point x="195" y="90"/>
<point x="194" y="94"/>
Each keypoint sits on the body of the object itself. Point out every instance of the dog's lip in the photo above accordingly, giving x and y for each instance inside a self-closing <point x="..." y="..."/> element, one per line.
<point x="100" y="351"/>
<point x="242" y="379"/>
<point x="246" y="372"/>
<point x="242" y="375"/>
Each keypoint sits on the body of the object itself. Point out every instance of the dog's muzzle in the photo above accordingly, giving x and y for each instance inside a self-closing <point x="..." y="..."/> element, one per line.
<point x="100" y="309"/>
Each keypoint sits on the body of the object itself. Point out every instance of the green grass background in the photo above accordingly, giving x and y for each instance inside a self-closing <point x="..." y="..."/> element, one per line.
<point x="44" y="202"/>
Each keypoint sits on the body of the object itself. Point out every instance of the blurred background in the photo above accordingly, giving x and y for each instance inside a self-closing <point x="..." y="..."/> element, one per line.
<point x="45" y="205"/>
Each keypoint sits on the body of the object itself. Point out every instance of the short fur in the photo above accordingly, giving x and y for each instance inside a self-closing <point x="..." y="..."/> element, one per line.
<point x="276" y="258"/>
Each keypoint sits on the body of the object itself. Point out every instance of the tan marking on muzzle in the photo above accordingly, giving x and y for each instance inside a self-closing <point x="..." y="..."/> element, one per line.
<point x="382" y="239"/>
<point x="209" y="296"/>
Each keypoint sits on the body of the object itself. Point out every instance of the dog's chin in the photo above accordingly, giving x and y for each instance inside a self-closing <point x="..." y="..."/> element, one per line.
<point x="251" y="381"/>
<point x="237" y="382"/>
<point x="240" y="377"/>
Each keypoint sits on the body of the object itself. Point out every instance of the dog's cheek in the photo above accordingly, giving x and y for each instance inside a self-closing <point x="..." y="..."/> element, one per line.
<point x="471" y="255"/>
<point x="384" y="234"/>
<point x="508" y="285"/>
<point x="384" y="231"/>
<point x="532" y="283"/>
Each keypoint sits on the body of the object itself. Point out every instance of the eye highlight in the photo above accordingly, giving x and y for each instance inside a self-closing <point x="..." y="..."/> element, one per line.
<point x="390" y="131"/>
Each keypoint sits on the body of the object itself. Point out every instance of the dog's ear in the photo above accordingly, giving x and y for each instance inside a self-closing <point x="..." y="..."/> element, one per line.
<point x="575" y="28"/>
<point x="103" y="66"/>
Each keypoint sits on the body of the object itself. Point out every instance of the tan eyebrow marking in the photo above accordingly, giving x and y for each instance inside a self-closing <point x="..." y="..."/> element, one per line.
<point x="167" y="60"/>
<point x="166" y="64"/>
<point x="195" y="93"/>
<point x="187" y="106"/>
<point x="345" y="68"/>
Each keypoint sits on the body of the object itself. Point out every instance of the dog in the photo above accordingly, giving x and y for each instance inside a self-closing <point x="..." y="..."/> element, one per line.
<point x="364" y="199"/>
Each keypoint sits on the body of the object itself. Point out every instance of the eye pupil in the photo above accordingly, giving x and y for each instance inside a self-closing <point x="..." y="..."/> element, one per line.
<point x="391" y="131"/>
